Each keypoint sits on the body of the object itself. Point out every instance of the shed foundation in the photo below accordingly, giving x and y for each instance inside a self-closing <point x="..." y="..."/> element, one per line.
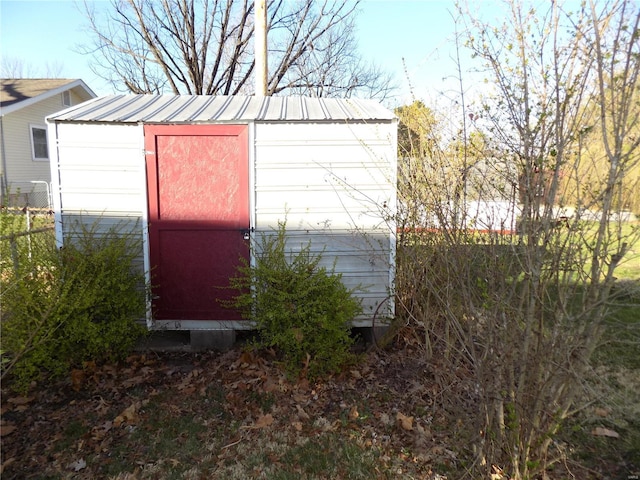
<point x="212" y="340"/>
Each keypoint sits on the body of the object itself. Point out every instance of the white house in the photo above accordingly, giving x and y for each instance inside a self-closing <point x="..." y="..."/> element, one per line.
<point x="197" y="176"/>
<point x="25" y="174"/>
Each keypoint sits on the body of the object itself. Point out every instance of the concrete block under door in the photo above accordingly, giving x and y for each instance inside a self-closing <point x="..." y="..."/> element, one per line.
<point x="221" y="340"/>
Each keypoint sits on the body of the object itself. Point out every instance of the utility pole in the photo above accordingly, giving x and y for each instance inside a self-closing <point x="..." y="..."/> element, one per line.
<point x="260" y="45"/>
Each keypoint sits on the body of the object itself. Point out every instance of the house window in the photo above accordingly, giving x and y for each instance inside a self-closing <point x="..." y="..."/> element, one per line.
<point x="66" y="98"/>
<point x="39" y="148"/>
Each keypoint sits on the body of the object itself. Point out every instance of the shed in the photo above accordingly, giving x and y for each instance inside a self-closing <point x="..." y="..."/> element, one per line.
<point x="199" y="175"/>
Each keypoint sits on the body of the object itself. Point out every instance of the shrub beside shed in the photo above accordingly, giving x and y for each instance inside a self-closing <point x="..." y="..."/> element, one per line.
<point x="197" y="176"/>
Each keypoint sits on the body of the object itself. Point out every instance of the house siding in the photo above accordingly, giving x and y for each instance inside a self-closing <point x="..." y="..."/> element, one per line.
<point x="21" y="169"/>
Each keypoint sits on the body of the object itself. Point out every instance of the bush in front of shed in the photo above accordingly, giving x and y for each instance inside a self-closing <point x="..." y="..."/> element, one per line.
<point x="65" y="307"/>
<point x="299" y="307"/>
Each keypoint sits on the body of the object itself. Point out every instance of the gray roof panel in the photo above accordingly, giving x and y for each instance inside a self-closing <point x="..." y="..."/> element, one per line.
<point x="204" y="108"/>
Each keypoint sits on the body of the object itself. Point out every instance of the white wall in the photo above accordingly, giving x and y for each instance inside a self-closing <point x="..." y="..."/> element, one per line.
<point x="98" y="176"/>
<point x="334" y="183"/>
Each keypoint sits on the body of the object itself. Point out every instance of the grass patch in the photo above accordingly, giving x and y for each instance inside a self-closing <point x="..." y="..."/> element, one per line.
<point x="612" y="392"/>
<point x="169" y="436"/>
<point x="615" y="408"/>
<point x="327" y="456"/>
<point x="71" y="434"/>
<point x="621" y="340"/>
<point x="285" y="457"/>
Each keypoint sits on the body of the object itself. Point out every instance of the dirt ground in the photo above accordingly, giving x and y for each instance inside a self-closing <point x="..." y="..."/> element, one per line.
<point x="236" y="415"/>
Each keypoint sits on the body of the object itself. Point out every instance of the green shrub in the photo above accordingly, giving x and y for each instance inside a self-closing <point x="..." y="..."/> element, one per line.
<point x="64" y="307"/>
<point x="299" y="307"/>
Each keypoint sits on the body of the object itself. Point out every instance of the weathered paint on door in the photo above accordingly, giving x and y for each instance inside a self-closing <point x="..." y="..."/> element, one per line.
<point x="198" y="186"/>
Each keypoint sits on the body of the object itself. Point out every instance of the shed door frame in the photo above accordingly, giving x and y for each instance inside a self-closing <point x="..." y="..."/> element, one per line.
<point x="152" y="323"/>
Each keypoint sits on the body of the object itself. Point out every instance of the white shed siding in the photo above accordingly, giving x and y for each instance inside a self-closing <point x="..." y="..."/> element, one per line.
<point x="332" y="182"/>
<point x="101" y="176"/>
<point x="324" y="175"/>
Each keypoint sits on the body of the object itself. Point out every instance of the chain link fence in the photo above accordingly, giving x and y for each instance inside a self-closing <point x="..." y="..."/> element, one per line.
<point x="20" y="230"/>
<point x="35" y="194"/>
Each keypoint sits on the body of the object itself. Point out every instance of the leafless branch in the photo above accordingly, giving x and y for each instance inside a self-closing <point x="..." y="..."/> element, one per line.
<point x="205" y="47"/>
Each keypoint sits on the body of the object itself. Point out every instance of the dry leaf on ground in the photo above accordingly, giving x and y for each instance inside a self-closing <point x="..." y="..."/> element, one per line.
<point x="404" y="421"/>
<point x="20" y="400"/>
<point x="6" y="463"/>
<point x="604" y="432"/>
<point x="77" y="379"/>
<point x="301" y="413"/>
<point x="6" y="430"/>
<point x="264" y="421"/>
<point x="353" y="413"/>
<point x="77" y="465"/>
<point x="128" y="415"/>
<point x="385" y="419"/>
<point x="98" y="432"/>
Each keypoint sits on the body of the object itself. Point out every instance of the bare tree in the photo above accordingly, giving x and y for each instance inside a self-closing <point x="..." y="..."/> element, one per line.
<point x="333" y="67"/>
<point x="521" y="314"/>
<point x="206" y="47"/>
<point x="14" y="67"/>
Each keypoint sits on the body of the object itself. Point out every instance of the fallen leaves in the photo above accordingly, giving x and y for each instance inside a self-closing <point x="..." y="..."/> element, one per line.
<point x="77" y="379"/>
<point x="264" y="421"/>
<point x="77" y="465"/>
<point x="128" y="415"/>
<point x="190" y="383"/>
<point x="604" y="432"/>
<point x="353" y="413"/>
<point x="405" y="422"/>
<point x="6" y="464"/>
<point x="100" y="431"/>
<point x="20" y="400"/>
<point x="301" y="413"/>
<point x="240" y="397"/>
<point x="18" y="404"/>
<point x="7" y="429"/>
<point x="385" y="419"/>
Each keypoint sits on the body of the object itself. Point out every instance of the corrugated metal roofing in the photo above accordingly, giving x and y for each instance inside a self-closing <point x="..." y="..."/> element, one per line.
<point x="203" y="108"/>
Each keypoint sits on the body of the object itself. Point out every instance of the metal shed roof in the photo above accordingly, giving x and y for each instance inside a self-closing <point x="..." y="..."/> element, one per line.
<point x="205" y="108"/>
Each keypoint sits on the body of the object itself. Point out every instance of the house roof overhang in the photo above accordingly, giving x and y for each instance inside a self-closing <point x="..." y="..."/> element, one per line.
<point x="19" y="93"/>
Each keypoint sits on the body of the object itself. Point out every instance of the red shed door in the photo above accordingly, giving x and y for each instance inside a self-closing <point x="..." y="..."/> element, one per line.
<point x="198" y="186"/>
